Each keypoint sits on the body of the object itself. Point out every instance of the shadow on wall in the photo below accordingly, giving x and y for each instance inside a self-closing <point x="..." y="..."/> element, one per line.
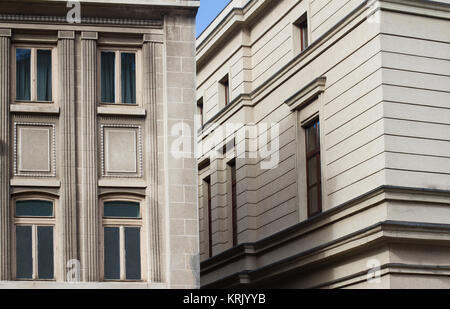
<point x="195" y="266"/>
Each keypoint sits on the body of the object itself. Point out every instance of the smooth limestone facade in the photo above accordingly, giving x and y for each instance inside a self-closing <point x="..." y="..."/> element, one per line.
<point x="79" y="153"/>
<point x="377" y="76"/>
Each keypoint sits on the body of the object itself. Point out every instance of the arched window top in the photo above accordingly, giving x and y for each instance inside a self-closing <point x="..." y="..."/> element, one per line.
<point x="122" y="209"/>
<point x="34" y="208"/>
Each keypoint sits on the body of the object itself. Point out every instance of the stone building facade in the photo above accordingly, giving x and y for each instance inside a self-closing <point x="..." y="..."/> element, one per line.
<point x="89" y="189"/>
<point x="353" y="98"/>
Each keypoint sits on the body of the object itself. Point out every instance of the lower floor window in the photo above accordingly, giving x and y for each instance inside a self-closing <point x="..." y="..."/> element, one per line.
<point x="34" y="240"/>
<point x="122" y="240"/>
<point x="122" y="253"/>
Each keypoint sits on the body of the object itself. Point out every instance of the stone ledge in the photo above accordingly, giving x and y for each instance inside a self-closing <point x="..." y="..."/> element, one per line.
<point x="122" y="183"/>
<point x="39" y="108"/>
<point x="79" y="285"/>
<point x="121" y="110"/>
<point x="41" y="182"/>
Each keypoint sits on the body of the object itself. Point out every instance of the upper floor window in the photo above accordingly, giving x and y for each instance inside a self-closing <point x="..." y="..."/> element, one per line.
<point x="300" y="35"/>
<point x="33" y="70"/>
<point x="34" y="239"/>
<point x="225" y="90"/>
<point x="313" y="169"/>
<point x="118" y="77"/>
<point x="200" y="112"/>
<point x="122" y="225"/>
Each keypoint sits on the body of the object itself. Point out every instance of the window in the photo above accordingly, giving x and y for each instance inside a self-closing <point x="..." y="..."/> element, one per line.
<point x="200" y="111"/>
<point x="33" y="70"/>
<point x="34" y="239"/>
<point x="232" y="169"/>
<point x="313" y="170"/>
<point x="122" y="225"/>
<point x="118" y="77"/>
<point x="207" y="183"/>
<point x="225" y="90"/>
<point x="301" y="34"/>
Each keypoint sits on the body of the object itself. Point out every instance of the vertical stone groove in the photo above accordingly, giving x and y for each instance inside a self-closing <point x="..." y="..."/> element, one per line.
<point x="5" y="239"/>
<point x="155" y="274"/>
<point x="66" y="57"/>
<point x="89" y="192"/>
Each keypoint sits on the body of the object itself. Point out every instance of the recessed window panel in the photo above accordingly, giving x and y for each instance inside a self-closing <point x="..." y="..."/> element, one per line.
<point x="133" y="253"/>
<point x="314" y="206"/>
<point x="121" y="210"/>
<point x="112" y="253"/>
<point x="34" y="208"/>
<point x="108" y="67"/>
<point x="312" y="137"/>
<point x="312" y="171"/>
<point x="23" y="74"/>
<point x="24" y="252"/>
<point x="44" y="75"/>
<point x="128" y="78"/>
<point x="45" y="252"/>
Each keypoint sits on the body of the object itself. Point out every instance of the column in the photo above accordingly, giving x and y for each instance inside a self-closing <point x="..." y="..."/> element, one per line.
<point x="149" y="85"/>
<point x="5" y="145"/>
<point x="89" y="221"/>
<point x="67" y="205"/>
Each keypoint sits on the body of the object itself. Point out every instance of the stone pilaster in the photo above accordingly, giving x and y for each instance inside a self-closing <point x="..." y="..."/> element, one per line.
<point x="89" y="221"/>
<point x="154" y="257"/>
<point x="5" y="83"/>
<point x="66" y="65"/>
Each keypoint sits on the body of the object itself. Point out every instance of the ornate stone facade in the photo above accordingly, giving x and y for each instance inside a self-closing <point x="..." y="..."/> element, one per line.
<point x="79" y="154"/>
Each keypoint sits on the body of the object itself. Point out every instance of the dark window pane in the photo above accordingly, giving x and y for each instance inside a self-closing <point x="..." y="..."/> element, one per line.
<point x="108" y="65"/>
<point x="23" y="74"/>
<point x="121" y="210"/>
<point x="45" y="252"/>
<point x="24" y="256"/>
<point x="312" y="171"/>
<point x="133" y="253"/>
<point x="44" y="75"/>
<point x="312" y="137"/>
<point x="34" y="209"/>
<point x="128" y="64"/>
<point x="112" y="253"/>
<point x="314" y="200"/>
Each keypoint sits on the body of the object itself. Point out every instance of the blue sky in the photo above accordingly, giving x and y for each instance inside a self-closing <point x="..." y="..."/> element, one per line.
<point x="209" y="9"/>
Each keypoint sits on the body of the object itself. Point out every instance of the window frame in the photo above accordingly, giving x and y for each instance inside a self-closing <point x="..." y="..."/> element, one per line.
<point x="301" y="35"/>
<point x="33" y="73"/>
<point x="122" y="223"/>
<point x="117" y="75"/>
<point x="34" y="222"/>
<point x="225" y="93"/>
<point x="232" y="168"/>
<point x="316" y="152"/>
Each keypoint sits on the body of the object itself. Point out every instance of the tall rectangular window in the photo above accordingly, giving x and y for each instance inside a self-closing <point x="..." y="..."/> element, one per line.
<point x="34" y="74"/>
<point x="303" y="35"/>
<point x="232" y="169"/>
<point x="313" y="170"/>
<point x="207" y="182"/>
<point x="118" y="77"/>
<point x="122" y="240"/>
<point x="225" y="90"/>
<point x="200" y="112"/>
<point x="34" y="240"/>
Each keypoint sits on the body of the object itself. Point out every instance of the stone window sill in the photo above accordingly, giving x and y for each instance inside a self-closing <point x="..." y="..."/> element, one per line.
<point x="39" y="108"/>
<point x="121" y="110"/>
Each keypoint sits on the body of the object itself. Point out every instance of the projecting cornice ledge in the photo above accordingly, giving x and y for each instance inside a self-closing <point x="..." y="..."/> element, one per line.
<point x="307" y="94"/>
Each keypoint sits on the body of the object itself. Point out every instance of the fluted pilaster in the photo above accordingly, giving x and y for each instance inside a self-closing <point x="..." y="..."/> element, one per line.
<point x="89" y="222"/>
<point x="5" y="239"/>
<point x="66" y="64"/>
<point x="154" y="245"/>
